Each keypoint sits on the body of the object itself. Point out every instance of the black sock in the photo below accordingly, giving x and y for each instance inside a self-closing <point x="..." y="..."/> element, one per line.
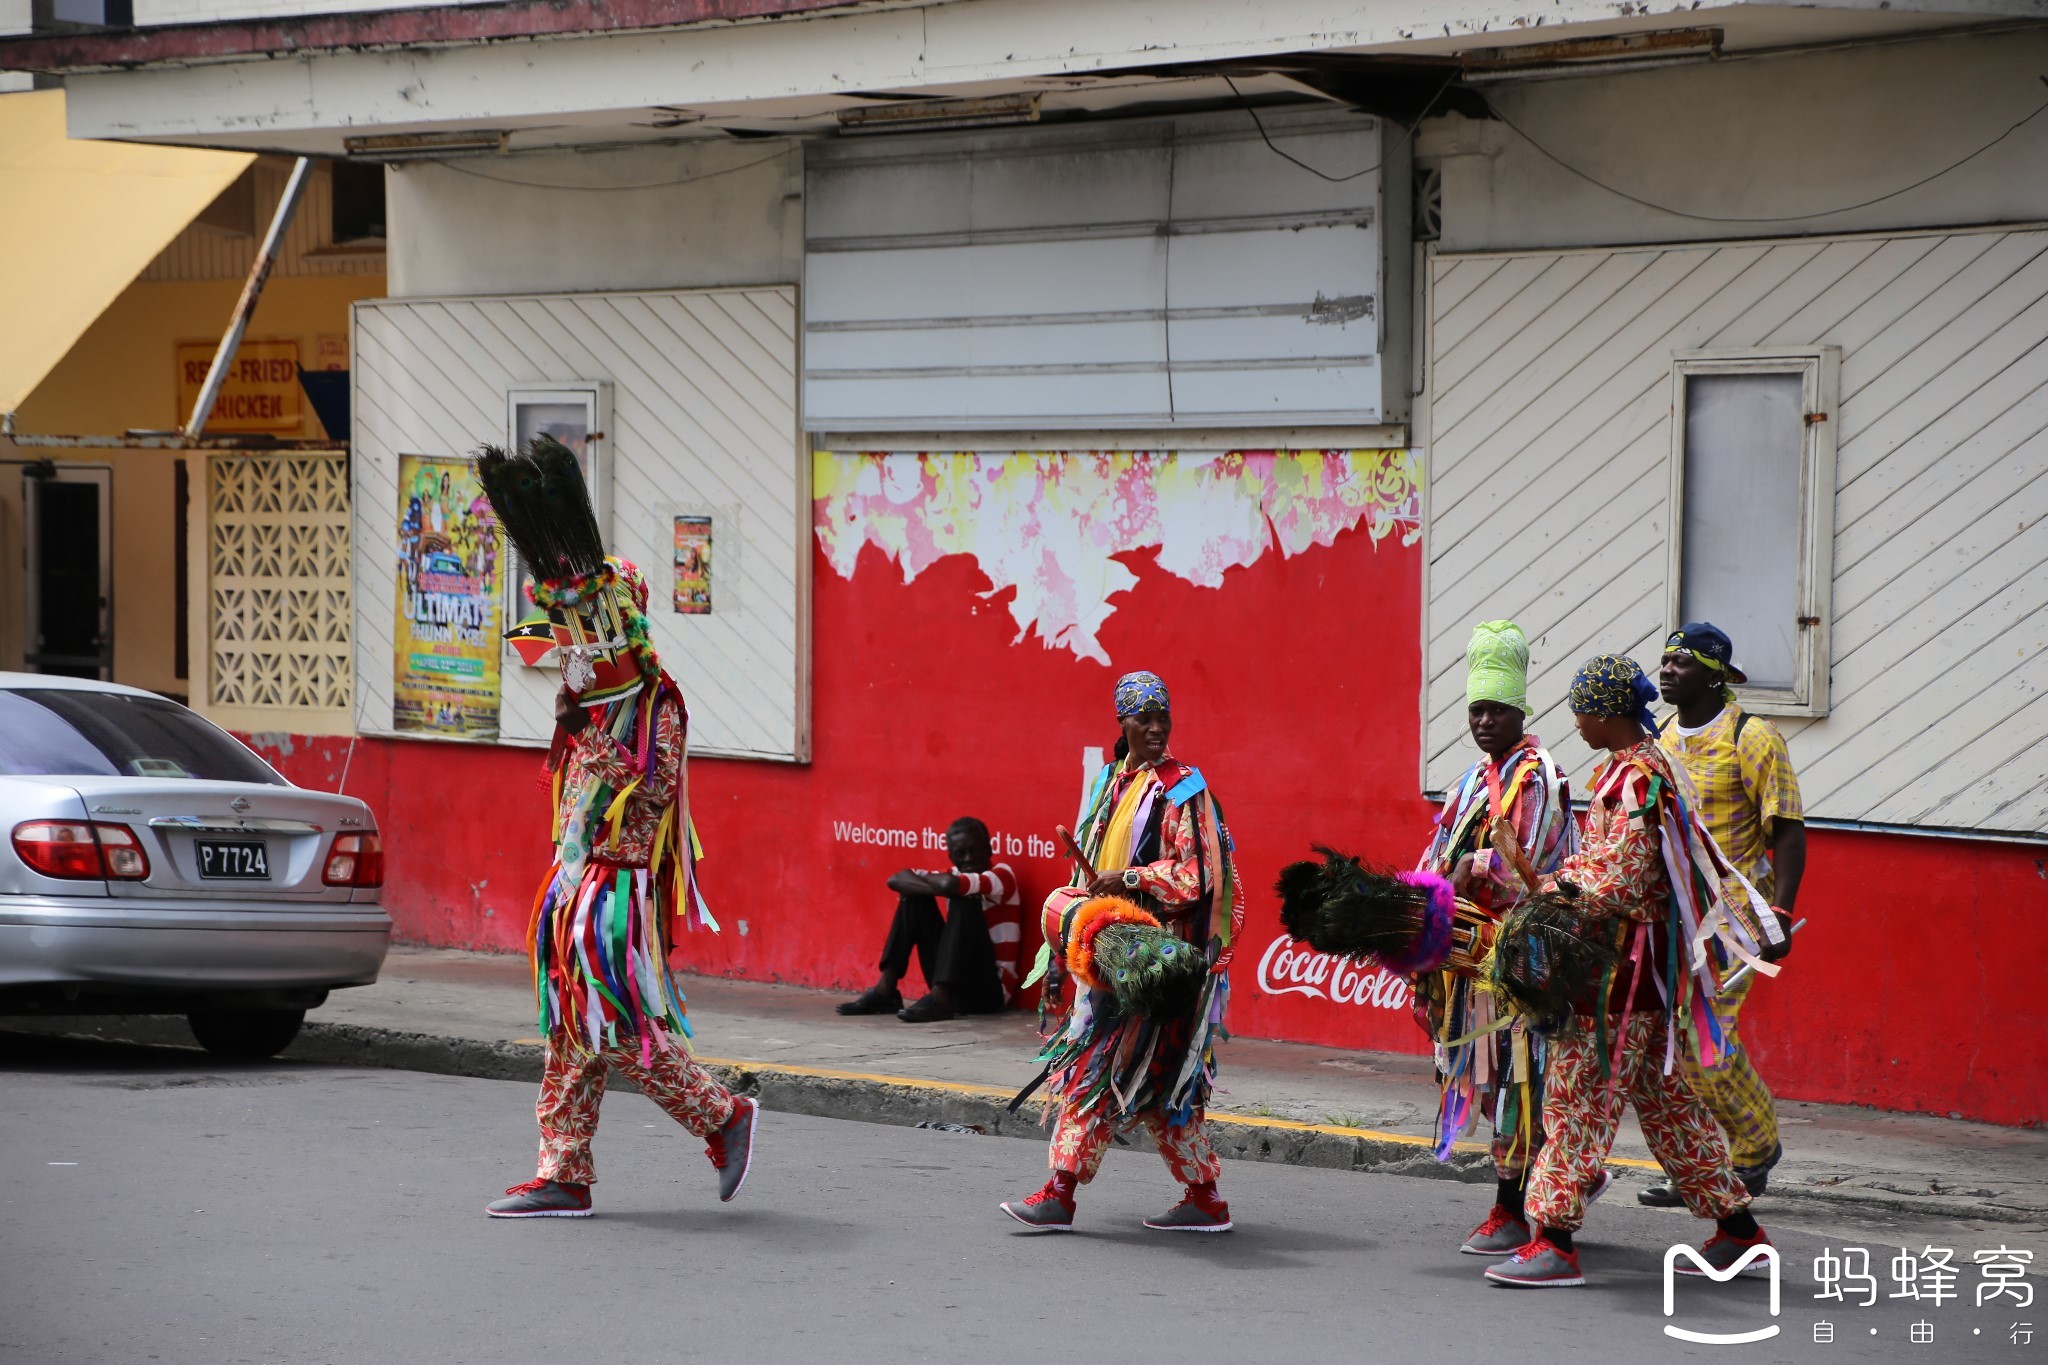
<point x="1508" y="1194"/>
<point x="1741" y="1225"/>
<point x="1561" y="1238"/>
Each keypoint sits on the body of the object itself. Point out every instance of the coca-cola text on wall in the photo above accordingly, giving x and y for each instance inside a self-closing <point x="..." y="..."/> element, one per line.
<point x="1289" y="968"/>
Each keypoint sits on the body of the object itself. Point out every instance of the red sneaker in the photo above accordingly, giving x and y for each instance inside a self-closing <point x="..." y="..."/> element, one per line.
<point x="1503" y="1233"/>
<point x="731" y="1148"/>
<point x="539" y="1198"/>
<point x="1542" y="1264"/>
<point x="1722" y="1251"/>
<point x="1201" y="1209"/>
<point x="1048" y="1210"/>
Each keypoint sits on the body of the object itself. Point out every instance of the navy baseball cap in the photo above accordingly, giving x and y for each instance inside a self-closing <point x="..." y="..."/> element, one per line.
<point x="1709" y="644"/>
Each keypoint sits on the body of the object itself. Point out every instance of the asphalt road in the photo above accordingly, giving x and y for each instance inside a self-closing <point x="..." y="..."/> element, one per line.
<point x="160" y="1206"/>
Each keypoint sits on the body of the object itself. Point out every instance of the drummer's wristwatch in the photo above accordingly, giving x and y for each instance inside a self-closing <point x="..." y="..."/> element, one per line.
<point x="1132" y="879"/>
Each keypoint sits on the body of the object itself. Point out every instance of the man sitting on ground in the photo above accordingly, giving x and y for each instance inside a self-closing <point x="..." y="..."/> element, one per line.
<point x="968" y="952"/>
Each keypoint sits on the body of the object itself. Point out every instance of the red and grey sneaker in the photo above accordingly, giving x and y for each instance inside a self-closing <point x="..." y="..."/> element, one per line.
<point x="539" y="1198"/>
<point x="1201" y="1209"/>
<point x="1051" y="1209"/>
<point x="1503" y="1232"/>
<point x="1600" y="1185"/>
<point x="731" y="1148"/>
<point x="1722" y="1251"/>
<point x="1542" y="1264"/>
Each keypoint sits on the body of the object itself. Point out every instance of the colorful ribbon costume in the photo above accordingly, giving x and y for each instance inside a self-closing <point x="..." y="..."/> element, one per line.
<point x="624" y="870"/>
<point x="1484" y="1059"/>
<point x="1679" y="916"/>
<point x="1161" y="830"/>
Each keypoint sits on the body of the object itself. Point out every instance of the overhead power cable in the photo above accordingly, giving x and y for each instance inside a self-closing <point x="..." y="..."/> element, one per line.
<point x="1616" y="190"/>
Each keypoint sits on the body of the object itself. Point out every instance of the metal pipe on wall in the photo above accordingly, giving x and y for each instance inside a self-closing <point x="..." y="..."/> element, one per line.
<point x="245" y="306"/>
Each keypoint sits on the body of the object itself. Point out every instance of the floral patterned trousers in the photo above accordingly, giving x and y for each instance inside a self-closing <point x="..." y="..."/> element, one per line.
<point x="1079" y="1140"/>
<point x="572" y="1087"/>
<point x="1581" y="1112"/>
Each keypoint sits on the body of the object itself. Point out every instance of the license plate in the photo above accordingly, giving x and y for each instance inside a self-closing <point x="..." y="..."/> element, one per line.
<point x="233" y="861"/>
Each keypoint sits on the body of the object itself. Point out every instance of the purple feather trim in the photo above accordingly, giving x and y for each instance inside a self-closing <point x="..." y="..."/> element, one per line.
<point x="1432" y="947"/>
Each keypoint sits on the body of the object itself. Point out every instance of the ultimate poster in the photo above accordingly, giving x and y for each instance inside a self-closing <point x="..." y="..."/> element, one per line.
<point x="450" y="590"/>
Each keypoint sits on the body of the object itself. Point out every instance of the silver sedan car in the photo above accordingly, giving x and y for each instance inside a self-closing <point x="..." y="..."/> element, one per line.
<point x="153" y="864"/>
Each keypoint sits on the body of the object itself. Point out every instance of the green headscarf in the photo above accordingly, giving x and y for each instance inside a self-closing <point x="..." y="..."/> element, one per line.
<point x="1497" y="665"/>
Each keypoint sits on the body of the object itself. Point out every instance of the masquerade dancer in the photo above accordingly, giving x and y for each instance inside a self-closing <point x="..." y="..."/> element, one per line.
<point x="625" y="853"/>
<point x="1135" y="1047"/>
<point x="1492" y="1067"/>
<point x="1647" y="867"/>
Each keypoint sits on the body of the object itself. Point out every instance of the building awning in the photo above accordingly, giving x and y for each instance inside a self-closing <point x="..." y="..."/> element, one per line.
<point x="83" y="220"/>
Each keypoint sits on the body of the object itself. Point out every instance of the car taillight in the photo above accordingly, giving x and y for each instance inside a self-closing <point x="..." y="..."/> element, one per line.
<point x="81" y="850"/>
<point x="355" y="860"/>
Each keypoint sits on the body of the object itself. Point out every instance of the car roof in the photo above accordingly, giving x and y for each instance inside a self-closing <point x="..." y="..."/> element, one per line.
<point x="53" y="682"/>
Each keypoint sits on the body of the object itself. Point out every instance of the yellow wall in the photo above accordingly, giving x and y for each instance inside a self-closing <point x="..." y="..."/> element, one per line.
<point x="144" y="529"/>
<point x="122" y="375"/>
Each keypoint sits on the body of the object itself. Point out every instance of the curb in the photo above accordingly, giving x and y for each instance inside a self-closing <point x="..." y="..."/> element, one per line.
<point x="906" y="1102"/>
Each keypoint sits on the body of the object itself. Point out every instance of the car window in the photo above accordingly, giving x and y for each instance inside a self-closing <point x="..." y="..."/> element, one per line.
<point x="51" y="732"/>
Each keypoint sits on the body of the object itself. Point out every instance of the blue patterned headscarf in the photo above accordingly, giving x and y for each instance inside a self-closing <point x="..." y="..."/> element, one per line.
<point x="1138" y="693"/>
<point x="1613" y="685"/>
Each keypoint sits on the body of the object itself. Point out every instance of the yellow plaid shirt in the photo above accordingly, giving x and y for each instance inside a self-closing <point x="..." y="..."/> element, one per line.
<point x="1743" y="786"/>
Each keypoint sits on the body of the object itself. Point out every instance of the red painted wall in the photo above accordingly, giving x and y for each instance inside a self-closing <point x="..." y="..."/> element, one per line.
<point x="1295" y="690"/>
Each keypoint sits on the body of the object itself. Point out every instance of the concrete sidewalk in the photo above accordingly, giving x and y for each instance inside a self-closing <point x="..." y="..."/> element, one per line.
<point x="472" y="1014"/>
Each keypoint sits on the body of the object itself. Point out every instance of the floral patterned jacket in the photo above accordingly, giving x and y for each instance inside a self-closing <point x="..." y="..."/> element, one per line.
<point x="599" y="767"/>
<point x="1619" y="868"/>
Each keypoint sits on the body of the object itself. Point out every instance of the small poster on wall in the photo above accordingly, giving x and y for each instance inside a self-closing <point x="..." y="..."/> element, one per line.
<point x="693" y="565"/>
<point x="450" y="589"/>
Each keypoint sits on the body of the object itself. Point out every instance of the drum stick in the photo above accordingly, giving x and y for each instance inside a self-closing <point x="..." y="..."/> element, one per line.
<point x="1074" y="852"/>
<point x="1747" y="968"/>
<point x="1509" y="847"/>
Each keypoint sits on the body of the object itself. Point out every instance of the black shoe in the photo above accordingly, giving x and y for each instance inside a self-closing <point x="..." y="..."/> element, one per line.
<point x="874" y="1000"/>
<point x="926" y="1010"/>
<point x="1756" y="1179"/>
<point x="1662" y="1195"/>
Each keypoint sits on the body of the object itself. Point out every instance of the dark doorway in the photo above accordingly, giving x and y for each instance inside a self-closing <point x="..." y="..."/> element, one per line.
<point x="68" y="592"/>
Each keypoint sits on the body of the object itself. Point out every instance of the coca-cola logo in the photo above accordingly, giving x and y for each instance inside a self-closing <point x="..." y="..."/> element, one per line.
<point x="1289" y="968"/>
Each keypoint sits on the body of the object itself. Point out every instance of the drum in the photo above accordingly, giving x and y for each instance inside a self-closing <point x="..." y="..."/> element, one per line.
<point x="1472" y="931"/>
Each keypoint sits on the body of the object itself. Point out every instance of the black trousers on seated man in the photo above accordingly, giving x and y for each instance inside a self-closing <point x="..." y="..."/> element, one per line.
<point x="953" y="950"/>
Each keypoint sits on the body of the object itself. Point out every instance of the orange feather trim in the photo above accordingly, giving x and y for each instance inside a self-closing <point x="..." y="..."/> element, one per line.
<point x="1091" y="917"/>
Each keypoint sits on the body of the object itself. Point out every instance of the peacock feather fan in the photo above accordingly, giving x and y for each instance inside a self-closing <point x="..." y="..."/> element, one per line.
<point x="1153" y="975"/>
<point x="1118" y="946"/>
<point x="1349" y="909"/>
<point x="1547" y="956"/>
<point x="540" y="499"/>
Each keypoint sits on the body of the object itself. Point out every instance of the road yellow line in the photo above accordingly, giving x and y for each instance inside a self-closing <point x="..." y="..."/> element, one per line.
<point x="1219" y="1115"/>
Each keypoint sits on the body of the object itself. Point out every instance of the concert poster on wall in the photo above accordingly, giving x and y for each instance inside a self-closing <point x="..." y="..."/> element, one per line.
<point x="693" y="565"/>
<point x="450" y="583"/>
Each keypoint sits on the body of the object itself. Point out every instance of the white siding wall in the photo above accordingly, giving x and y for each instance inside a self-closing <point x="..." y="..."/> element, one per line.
<point x="1550" y="411"/>
<point x="1739" y="148"/>
<point x="703" y="419"/>
<point x="696" y="216"/>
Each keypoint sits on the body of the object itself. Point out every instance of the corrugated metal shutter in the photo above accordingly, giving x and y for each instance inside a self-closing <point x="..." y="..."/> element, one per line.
<point x="703" y="419"/>
<point x="1152" y="273"/>
<point x="1549" y="481"/>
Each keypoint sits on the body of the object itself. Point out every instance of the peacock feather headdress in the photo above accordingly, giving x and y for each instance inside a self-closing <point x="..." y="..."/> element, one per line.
<point x="542" y="503"/>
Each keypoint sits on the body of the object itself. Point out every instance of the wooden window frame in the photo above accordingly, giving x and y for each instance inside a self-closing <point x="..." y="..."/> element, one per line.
<point x="1819" y="368"/>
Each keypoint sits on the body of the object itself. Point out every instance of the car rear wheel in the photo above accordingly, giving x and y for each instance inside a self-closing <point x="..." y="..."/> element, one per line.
<point x="247" y="1034"/>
